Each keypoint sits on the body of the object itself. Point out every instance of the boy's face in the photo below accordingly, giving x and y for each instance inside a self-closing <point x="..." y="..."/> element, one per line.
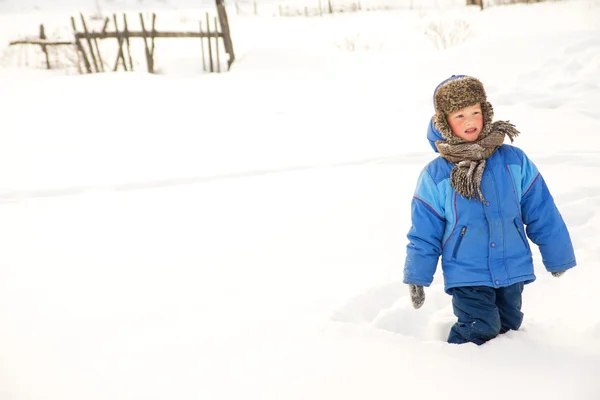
<point x="467" y="122"/>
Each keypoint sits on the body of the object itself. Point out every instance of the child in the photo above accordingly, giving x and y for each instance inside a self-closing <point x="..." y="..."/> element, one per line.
<point x="471" y="206"/>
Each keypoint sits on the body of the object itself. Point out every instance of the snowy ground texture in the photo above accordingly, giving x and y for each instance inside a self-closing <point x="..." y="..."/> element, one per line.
<point x="242" y="235"/>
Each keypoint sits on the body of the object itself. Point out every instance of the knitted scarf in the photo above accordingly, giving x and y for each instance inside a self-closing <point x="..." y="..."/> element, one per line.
<point x="469" y="158"/>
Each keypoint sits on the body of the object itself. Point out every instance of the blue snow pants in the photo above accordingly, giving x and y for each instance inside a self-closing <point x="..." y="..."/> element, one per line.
<point x="485" y="312"/>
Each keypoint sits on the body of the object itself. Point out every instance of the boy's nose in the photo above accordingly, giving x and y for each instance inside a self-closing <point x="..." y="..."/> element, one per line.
<point x="471" y="121"/>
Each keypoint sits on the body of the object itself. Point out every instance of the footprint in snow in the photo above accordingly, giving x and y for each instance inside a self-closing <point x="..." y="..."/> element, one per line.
<point x="389" y="308"/>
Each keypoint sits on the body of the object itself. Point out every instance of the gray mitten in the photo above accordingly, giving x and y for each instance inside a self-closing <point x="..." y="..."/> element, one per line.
<point x="417" y="295"/>
<point x="558" y="274"/>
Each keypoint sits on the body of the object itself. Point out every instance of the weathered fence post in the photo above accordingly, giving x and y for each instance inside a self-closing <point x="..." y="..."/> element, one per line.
<point x="45" y="47"/>
<point x="97" y="45"/>
<point x="224" y="22"/>
<point x="149" y="47"/>
<point x="80" y="49"/>
<point x="102" y="32"/>
<point x="89" y="42"/>
<point x="217" y="49"/>
<point x="202" y="48"/>
<point x="127" y="41"/>
<point x="120" y="54"/>
<point x="475" y="3"/>
<point x="145" y="37"/>
<point x="210" y="56"/>
<point x="153" y="38"/>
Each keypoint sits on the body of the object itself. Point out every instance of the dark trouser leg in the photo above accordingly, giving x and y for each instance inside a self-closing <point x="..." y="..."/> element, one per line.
<point x="509" y="301"/>
<point x="478" y="316"/>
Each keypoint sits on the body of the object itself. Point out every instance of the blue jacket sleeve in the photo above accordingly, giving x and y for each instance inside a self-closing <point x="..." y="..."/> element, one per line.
<point x="426" y="233"/>
<point x="544" y="224"/>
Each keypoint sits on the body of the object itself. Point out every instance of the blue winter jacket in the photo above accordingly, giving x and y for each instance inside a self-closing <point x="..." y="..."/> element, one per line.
<point x="485" y="244"/>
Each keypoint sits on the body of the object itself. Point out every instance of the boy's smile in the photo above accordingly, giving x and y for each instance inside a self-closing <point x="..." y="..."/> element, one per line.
<point x="467" y="122"/>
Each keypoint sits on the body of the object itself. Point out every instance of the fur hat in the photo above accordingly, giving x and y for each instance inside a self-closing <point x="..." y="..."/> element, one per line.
<point x="456" y="92"/>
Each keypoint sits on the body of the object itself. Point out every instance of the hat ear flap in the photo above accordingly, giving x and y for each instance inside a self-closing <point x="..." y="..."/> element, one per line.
<point x="441" y="124"/>
<point x="488" y="116"/>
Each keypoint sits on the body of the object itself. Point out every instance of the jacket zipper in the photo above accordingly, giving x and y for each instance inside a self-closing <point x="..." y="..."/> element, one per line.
<point x="459" y="241"/>
<point x="521" y="233"/>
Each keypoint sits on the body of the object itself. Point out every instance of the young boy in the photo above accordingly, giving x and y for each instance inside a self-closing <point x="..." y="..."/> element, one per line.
<point x="471" y="206"/>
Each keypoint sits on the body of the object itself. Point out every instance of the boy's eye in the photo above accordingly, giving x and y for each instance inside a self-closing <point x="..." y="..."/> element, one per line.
<point x="458" y="116"/>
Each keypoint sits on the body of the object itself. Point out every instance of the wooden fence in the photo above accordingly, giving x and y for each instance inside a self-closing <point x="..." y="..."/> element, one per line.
<point x="212" y="32"/>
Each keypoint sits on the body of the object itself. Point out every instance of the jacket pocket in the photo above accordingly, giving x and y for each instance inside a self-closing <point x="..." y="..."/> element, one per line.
<point x="461" y="236"/>
<point x="521" y="233"/>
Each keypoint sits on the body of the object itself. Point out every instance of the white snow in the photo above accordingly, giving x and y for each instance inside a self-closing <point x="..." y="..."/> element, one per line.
<point x="242" y="235"/>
